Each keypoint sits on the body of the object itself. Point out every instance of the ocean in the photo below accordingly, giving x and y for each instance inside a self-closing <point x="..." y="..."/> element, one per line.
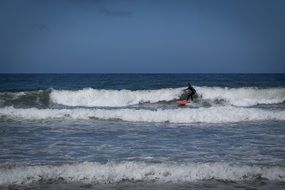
<point x="125" y="131"/>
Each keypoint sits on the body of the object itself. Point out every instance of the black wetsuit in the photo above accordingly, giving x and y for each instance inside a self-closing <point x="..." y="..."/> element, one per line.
<point x="193" y="92"/>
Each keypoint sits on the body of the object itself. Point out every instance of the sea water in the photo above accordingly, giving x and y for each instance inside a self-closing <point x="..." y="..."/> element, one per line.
<point x="109" y="131"/>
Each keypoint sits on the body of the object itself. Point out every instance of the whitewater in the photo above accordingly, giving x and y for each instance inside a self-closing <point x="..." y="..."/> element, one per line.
<point x="212" y="105"/>
<point x="138" y="171"/>
<point x="111" y="131"/>
<point x="90" y="97"/>
<point x="180" y="115"/>
<point x="245" y="96"/>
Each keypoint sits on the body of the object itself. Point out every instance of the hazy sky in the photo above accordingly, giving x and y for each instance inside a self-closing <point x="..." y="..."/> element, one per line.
<point x="142" y="36"/>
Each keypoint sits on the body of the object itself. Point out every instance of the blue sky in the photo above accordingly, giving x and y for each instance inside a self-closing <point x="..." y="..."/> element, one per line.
<point x="132" y="36"/>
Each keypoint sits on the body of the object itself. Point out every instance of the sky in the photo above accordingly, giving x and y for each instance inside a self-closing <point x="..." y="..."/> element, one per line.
<point x="142" y="36"/>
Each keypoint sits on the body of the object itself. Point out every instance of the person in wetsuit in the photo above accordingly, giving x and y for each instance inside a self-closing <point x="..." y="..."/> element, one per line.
<point x="192" y="93"/>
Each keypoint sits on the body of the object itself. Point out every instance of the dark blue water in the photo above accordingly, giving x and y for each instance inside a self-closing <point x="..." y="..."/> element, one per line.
<point x="110" y="131"/>
<point x="25" y="82"/>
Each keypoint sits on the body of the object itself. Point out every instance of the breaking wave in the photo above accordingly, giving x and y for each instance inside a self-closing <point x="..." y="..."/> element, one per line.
<point x="112" y="98"/>
<point x="89" y="97"/>
<point x="113" y="172"/>
<point x="223" y="114"/>
<point x="38" y="98"/>
<point x="247" y="96"/>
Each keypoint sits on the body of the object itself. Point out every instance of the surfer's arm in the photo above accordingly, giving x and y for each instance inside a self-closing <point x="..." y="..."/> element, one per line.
<point x="186" y="89"/>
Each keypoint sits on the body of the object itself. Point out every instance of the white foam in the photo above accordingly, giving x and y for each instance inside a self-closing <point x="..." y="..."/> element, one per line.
<point x="248" y="96"/>
<point x="112" y="98"/>
<point x="180" y="115"/>
<point x="135" y="171"/>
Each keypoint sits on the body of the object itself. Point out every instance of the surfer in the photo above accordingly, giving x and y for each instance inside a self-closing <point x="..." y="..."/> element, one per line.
<point x="192" y="92"/>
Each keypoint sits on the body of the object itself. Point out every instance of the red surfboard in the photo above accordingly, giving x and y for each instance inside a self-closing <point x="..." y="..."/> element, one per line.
<point x="183" y="102"/>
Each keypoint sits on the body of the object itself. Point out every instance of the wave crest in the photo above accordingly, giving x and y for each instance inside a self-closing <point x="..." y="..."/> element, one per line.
<point x="247" y="96"/>
<point x="89" y="97"/>
<point x="112" y="98"/>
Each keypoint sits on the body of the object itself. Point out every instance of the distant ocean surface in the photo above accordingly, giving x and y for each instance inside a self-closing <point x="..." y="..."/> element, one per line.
<point x="125" y="131"/>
